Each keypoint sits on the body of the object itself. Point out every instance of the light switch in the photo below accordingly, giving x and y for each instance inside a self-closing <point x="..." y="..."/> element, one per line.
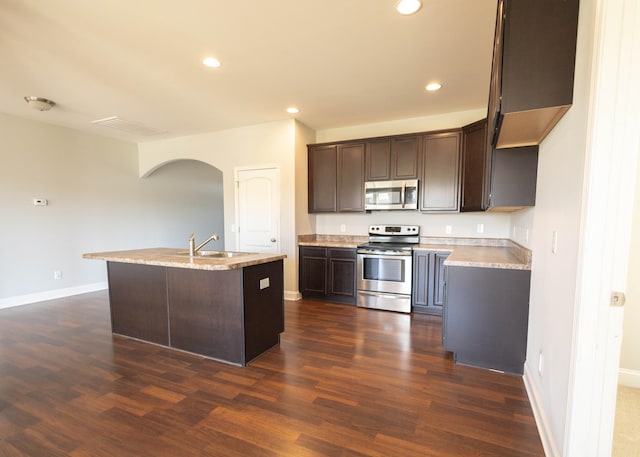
<point x="264" y="283"/>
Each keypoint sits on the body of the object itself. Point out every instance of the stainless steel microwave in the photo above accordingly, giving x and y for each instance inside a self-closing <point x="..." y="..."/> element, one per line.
<point x="391" y="195"/>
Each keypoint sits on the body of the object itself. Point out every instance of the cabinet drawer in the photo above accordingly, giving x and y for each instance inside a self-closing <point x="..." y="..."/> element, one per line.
<point x="342" y="253"/>
<point x="313" y="251"/>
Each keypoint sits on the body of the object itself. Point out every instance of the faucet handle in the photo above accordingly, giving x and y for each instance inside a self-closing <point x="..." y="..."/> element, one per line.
<point x="192" y="237"/>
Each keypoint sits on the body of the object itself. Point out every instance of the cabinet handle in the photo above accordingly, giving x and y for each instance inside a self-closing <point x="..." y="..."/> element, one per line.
<point x="273" y="240"/>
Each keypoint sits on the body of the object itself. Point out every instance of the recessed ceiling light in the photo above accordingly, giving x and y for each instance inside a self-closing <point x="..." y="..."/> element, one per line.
<point x="408" y="7"/>
<point x="433" y="87"/>
<point x="292" y="110"/>
<point x="211" y="62"/>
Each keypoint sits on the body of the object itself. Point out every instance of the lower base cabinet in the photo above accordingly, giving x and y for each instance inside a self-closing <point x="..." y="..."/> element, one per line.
<point x="328" y="273"/>
<point x="486" y="317"/>
<point x="428" y="282"/>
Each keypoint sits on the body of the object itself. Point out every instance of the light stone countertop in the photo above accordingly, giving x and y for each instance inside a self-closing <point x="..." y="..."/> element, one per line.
<point x="170" y="257"/>
<point x="466" y="252"/>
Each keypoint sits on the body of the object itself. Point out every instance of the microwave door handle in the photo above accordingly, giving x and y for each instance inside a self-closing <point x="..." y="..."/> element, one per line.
<point x="403" y="194"/>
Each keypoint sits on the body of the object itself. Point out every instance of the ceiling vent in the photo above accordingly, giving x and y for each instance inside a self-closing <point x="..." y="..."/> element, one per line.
<point x="135" y="128"/>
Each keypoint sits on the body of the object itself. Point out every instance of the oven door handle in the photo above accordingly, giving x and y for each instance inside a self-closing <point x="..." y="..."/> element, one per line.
<point x="381" y="294"/>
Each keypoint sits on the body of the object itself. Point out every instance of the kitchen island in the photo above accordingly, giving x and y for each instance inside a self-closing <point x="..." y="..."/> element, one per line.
<point x="225" y="306"/>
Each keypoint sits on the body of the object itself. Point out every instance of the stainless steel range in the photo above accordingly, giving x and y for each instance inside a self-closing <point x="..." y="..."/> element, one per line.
<point x="385" y="267"/>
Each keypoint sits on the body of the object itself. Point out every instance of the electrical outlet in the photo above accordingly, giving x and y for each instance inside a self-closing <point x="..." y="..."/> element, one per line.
<point x="264" y="283"/>
<point x="343" y="228"/>
<point x="480" y="228"/>
<point x="447" y="229"/>
<point x="57" y="275"/>
<point x="554" y="242"/>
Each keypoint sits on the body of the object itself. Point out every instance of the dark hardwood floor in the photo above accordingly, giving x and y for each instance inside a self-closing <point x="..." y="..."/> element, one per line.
<point x="344" y="382"/>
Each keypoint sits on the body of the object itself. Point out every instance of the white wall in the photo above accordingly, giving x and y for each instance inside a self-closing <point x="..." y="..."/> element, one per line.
<point x="271" y="143"/>
<point x="396" y="127"/>
<point x="97" y="202"/>
<point x="463" y="225"/>
<point x="630" y="356"/>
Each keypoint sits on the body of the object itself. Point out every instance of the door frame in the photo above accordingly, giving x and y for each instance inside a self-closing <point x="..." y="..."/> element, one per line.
<point x="236" y="181"/>
<point x="612" y="148"/>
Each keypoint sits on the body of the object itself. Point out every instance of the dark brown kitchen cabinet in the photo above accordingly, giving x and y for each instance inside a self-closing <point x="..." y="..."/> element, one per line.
<point x="392" y="158"/>
<point x="351" y="177"/>
<point x="428" y="282"/>
<point x="328" y="273"/>
<point x="476" y="167"/>
<point x="496" y="179"/>
<point x="533" y="69"/>
<point x="323" y="179"/>
<point x="486" y="317"/>
<point x="336" y="178"/>
<point x="440" y="176"/>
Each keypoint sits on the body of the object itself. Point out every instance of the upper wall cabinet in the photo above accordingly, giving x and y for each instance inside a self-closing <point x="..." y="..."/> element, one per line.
<point x="496" y="179"/>
<point x="392" y="158"/>
<point x="440" y="177"/>
<point x="533" y="69"/>
<point x="476" y="167"/>
<point x="336" y="178"/>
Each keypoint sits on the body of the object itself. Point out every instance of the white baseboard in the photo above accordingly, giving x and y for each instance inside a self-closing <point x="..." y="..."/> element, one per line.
<point x="542" y="422"/>
<point x="629" y="378"/>
<point x="292" y="295"/>
<point x="51" y="295"/>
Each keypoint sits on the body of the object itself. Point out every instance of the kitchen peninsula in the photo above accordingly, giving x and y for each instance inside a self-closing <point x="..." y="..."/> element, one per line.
<point x="222" y="305"/>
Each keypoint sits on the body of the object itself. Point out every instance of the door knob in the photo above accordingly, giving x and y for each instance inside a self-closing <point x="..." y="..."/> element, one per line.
<point x="273" y="240"/>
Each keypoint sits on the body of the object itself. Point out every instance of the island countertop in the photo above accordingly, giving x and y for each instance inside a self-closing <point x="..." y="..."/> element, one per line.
<point x="171" y="257"/>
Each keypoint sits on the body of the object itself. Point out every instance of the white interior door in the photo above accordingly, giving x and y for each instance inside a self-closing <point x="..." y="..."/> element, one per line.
<point x="258" y="209"/>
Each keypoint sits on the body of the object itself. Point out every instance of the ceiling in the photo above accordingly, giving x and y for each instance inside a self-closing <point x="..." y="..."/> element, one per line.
<point x="341" y="62"/>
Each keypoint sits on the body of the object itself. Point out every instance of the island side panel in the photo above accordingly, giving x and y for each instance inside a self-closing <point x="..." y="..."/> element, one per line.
<point x="138" y="301"/>
<point x="205" y="309"/>
<point x="263" y="307"/>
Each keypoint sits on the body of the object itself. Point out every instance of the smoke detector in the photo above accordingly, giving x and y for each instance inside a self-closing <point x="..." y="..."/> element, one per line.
<point x="39" y="103"/>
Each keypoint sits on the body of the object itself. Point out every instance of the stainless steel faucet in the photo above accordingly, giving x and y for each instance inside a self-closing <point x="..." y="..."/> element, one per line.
<point x="193" y="249"/>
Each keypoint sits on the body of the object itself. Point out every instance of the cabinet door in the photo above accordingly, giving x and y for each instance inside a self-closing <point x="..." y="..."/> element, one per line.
<point x="422" y="274"/>
<point x="440" y="172"/>
<point x="439" y="279"/>
<point x="313" y="271"/>
<point x="351" y="177"/>
<point x="378" y="160"/>
<point x="493" y="113"/>
<point x="322" y="163"/>
<point x="404" y="158"/>
<point x="513" y="177"/>
<point x="342" y="275"/>
<point x="474" y="138"/>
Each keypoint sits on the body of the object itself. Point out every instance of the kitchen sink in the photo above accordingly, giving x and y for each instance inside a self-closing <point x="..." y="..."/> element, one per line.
<point x="214" y="254"/>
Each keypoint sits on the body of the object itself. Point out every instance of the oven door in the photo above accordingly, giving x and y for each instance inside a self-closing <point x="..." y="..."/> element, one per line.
<point x="384" y="273"/>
